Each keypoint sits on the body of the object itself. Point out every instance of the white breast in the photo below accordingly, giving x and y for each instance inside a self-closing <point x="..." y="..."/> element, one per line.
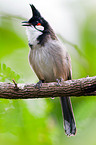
<point x="32" y="34"/>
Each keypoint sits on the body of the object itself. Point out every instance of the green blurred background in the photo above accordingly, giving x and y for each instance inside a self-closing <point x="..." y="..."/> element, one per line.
<point x="39" y="121"/>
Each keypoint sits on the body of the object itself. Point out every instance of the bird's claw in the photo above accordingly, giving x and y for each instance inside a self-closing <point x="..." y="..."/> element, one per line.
<point x="38" y="84"/>
<point x="58" y="81"/>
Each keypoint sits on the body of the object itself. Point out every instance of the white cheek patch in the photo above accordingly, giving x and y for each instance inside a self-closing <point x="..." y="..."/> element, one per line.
<point x="41" y="28"/>
<point x="32" y="34"/>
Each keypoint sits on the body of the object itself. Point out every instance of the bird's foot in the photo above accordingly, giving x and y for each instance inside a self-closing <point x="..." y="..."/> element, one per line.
<point x="39" y="84"/>
<point x="58" y="81"/>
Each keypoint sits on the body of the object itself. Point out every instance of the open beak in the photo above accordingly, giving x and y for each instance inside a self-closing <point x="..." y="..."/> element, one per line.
<point x="26" y="23"/>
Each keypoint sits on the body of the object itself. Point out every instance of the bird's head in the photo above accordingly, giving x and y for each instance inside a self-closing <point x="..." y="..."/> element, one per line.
<point x="37" y="21"/>
<point x="38" y="28"/>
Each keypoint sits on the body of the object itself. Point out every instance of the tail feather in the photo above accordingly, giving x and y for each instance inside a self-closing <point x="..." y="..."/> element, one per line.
<point x="69" y="121"/>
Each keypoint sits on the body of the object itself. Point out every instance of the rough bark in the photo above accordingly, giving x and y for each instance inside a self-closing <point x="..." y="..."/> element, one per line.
<point x="80" y="87"/>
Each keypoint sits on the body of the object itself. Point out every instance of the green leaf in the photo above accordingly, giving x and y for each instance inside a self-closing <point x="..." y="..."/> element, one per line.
<point x="7" y="74"/>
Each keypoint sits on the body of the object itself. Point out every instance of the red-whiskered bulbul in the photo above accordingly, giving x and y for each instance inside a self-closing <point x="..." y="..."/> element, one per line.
<point x="50" y="61"/>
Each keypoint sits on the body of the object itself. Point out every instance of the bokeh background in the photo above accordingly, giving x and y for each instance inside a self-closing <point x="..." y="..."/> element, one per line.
<point x="39" y="121"/>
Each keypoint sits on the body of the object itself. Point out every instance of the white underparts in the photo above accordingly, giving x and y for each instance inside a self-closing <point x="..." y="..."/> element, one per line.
<point x="33" y="34"/>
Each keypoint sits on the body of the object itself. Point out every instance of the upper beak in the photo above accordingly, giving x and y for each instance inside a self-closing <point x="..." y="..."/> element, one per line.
<point x="26" y="23"/>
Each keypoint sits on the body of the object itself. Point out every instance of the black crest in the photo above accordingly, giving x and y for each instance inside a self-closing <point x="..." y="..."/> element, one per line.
<point x="35" y="12"/>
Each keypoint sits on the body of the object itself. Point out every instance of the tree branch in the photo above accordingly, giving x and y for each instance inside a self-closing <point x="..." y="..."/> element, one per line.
<point x="80" y="87"/>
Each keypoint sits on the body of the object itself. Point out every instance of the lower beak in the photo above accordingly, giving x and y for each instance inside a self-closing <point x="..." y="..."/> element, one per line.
<point x="26" y="23"/>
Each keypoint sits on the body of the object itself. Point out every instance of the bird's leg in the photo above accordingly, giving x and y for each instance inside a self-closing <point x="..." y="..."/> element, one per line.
<point x="39" y="84"/>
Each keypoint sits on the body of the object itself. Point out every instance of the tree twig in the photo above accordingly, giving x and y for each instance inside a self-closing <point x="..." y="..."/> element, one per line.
<point x="80" y="87"/>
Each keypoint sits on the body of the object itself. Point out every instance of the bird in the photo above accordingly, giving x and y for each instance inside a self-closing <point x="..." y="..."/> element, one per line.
<point x="50" y="61"/>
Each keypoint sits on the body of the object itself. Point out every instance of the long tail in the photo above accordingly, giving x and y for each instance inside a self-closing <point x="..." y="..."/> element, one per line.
<point x="69" y="121"/>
